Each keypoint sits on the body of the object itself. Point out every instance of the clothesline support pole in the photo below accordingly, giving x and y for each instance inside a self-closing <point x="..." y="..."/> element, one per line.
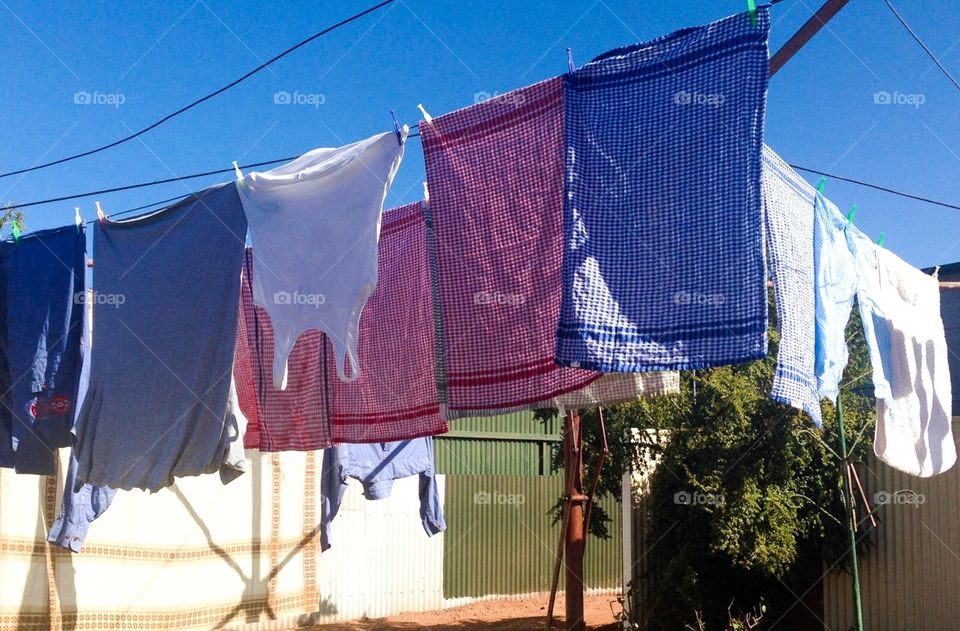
<point x="575" y="541"/>
<point x="805" y="34"/>
<point x="849" y="510"/>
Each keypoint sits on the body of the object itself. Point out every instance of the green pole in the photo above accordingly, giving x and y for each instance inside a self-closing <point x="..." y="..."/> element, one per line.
<point x="848" y="507"/>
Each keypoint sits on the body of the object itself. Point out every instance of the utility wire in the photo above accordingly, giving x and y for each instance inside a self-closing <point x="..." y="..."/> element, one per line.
<point x="922" y="45"/>
<point x="200" y="100"/>
<point x="877" y="187"/>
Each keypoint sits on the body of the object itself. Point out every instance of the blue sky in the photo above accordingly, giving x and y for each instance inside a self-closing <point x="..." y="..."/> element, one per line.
<point x="140" y="61"/>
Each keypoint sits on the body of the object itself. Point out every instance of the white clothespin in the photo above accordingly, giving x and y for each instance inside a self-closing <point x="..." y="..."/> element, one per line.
<point x="426" y="115"/>
<point x="571" y="67"/>
<point x="426" y="194"/>
<point x="101" y="216"/>
<point x="77" y="219"/>
<point x="237" y="171"/>
<point x="936" y="272"/>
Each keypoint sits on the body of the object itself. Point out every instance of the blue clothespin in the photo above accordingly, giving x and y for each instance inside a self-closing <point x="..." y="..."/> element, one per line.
<point x="882" y="239"/>
<point x="752" y="10"/>
<point x="570" y="65"/>
<point x="851" y="214"/>
<point x="396" y="127"/>
<point x="823" y="182"/>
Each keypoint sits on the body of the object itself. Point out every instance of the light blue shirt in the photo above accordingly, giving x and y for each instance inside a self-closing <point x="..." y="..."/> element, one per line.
<point x="835" y="275"/>
<point x="875" y="329"/>
<point x="377" y="465"/>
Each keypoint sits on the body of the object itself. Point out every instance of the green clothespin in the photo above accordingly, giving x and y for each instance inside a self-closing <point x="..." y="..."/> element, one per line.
<point x="851" y="214"/>
<point x="882" y="239"/>
<point x="16" y="230"/>
<point x="823" y="182"/>
<point x="752" y="10"/>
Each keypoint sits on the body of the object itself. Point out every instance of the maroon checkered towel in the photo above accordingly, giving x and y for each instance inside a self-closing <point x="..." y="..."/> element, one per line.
<point x="396" y="396"/>
<point x="294" y="419"/>
<point x="495" y="172"/>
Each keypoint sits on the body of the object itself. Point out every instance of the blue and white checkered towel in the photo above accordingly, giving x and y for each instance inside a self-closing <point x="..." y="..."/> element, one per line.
<point x="788" y="218"/>
<point x="663" y="257"/>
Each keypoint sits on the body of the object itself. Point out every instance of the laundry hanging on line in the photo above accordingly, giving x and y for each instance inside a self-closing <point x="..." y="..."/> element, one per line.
<point x="332" y="197"/>
<point x="395" y="397"/>
<point x="160" y="403"/>
<point x="297" y="417"/>
<point x="900" y="311"/>
<point x="495" y="174"/>
<point x="510" y="290"/>
<point x="663" y="258"/>
<point x="788" y="223"/>
<point x="43" y="337"/>
<point x="376" y="466"/>
<point x="835" y="282"/>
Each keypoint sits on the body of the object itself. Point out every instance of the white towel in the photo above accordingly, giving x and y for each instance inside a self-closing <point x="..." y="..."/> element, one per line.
<point x="900" y="307"/>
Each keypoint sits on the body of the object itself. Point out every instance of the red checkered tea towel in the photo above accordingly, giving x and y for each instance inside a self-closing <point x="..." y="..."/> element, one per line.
<point x="495" y="173"/>
<point x="294" y="419"/>
<point x="395" y="397"/>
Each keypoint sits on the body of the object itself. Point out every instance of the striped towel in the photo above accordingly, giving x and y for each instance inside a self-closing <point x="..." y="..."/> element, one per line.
<point x="788" y="222"/>
<point x="495" y="172"/>
<point x="395" y="398"/>
<point x="295" y="419"/>
<point x="663" y="256"/>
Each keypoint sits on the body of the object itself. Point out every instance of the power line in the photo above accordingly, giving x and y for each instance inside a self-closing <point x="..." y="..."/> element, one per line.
<point x="200" y="100"/>
<point x="922" y="45"/>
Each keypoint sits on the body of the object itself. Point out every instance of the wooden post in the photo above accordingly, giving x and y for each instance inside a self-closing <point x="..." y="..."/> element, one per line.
<point x="576" y="528"/>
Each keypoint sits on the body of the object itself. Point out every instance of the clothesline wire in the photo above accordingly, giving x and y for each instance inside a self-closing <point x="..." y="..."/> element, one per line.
<point x="876" y="187"/>
<point x="245" y="167"/>
<point x="197" y="102"/>
<point x="922" y="45"/>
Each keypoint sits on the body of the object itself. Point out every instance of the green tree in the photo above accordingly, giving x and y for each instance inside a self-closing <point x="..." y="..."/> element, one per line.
<point x="745" y="503"/>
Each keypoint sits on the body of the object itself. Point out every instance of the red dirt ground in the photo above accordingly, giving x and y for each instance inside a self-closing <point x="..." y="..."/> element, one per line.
<point x="489" y="615"/>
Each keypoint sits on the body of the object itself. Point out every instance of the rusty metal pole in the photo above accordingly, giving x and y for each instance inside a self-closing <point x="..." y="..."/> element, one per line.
<point x="805" y="34"/>
<point x="576" y="531"/>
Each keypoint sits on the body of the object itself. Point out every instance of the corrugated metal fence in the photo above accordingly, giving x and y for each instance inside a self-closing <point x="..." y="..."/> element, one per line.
<point x="911" y="578"/>
<point x="500" y="539"/>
